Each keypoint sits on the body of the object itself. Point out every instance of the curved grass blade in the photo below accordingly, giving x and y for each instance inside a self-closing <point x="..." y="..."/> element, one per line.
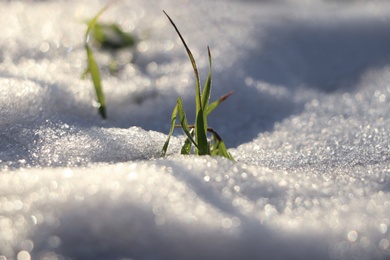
<point x="222" y="151"/>
<point x="214" y="105"/>
<point x="93" y="22"/>
<point x="201" y="116"/>
<point x="188" y="53"/>
<point x="183" y="121"/>
<point x="93" y="68"/>
<point x="173" y="122"/>
<point x="201" y="134"/>
<point x="207" y="85"/>
<point x="186" y="149"/>
<point x="219" y="146"/>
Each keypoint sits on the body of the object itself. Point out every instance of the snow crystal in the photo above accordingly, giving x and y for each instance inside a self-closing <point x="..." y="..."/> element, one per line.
<point x="307" y="126"/>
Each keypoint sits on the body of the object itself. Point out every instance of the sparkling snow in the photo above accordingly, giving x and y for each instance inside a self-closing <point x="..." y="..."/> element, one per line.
<point x="308" y="125"/>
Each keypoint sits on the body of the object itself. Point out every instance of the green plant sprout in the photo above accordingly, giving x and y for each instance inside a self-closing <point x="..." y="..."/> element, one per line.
<point x="197" y="133"/>
<point x="109" y="37"/>
<point x="92" y="66"/>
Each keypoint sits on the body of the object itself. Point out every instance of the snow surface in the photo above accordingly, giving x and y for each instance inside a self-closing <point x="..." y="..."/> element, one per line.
<point x="308" y="126"/>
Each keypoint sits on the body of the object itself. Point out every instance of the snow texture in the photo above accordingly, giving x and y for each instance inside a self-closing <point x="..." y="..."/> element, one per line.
<point x="308" y="126"/>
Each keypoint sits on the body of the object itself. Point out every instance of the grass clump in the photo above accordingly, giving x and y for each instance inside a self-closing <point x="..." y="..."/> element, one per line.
<point x="109" y="37"/>
<point x="197" y="133"/>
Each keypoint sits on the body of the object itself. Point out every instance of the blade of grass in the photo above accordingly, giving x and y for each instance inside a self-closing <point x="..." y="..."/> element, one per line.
<point x="186" y="149"/>
<point x="214" y="105"/>
<point x="173" y="122"/>
<point x="93" y="21"/>
<point x="219" y="146"/>
<point x="183" y="121"/>
<point x="201" y="120"/>
<point x="93" y="68"/>
<point x="201" y="134"/>
<point x="222" y="151"/>
<point x="188" y="53"/>
<point x="207" y="85"/>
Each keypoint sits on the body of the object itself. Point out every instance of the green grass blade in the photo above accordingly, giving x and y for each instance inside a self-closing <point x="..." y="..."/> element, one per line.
<point x="201" y="119"/>
<point x="93" y="22"/>
<point x="222" y="151"/>
<point x="186" y="149"/>
<point x="93" y="68"/>
<point x="173" y="122"/>
<point x="207" y="85"/>
<point x="201" y="134"/>
<point x="196" y="72"/>
<point x="183" y="121"/>
<point x="214" y="105"/>
<point x="193" y="63"/>
<point x="95" y="75"/>
<point x="98" y="33"/>
<point x="219" y="147"/>
<point x="215" y="151"/>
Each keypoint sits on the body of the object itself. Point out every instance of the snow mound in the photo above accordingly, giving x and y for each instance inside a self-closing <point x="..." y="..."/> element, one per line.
<point x="307" y="125"/>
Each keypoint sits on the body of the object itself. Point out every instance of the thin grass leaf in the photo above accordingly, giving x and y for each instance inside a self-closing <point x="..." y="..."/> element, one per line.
<point x="173" y="122"/>
<point x="207" y="85"/>
<point x="201" y="134"/>
<point x="219" y="147"/>
<point x="93" y="69"/>
<point x="93" y="22"/>
<point x="214" y="105"/>
<point x="202" y="127"/>
<point x="188" y="52"/>
<point x="183" y="121"/>
<point x="186" y="148"/>
<point x="215" y="150"/>
<point x="222" y="151"/>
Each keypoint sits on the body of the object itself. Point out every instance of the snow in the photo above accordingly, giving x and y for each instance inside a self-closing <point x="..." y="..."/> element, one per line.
<point x="307" y="125"/>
